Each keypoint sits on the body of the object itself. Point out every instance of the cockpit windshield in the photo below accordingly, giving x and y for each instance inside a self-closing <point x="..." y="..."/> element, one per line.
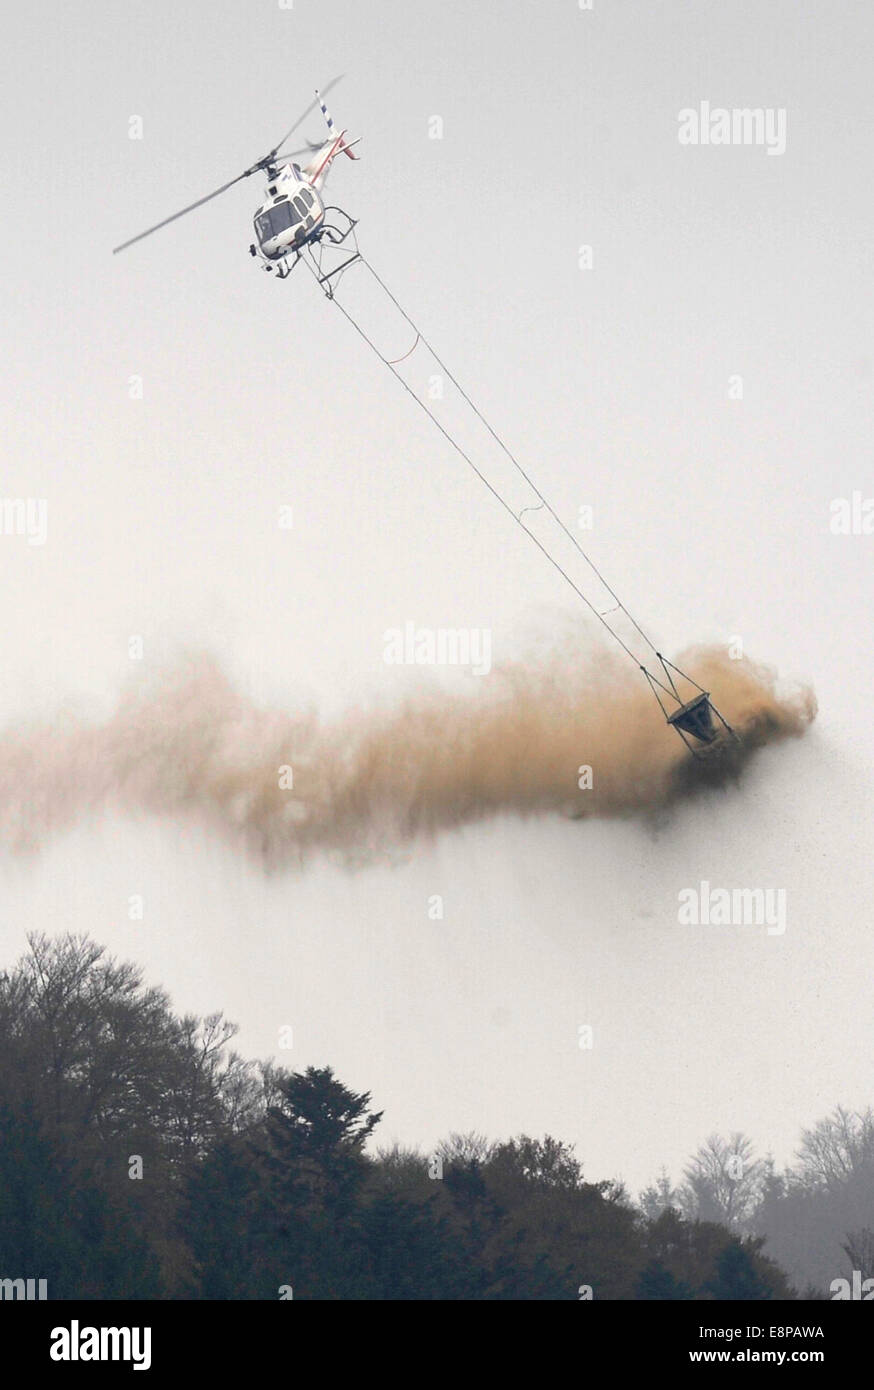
<point x="276" y="220"/>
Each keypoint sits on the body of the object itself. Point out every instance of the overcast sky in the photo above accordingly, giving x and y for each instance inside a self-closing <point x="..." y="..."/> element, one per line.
<point x="559" y="130"/>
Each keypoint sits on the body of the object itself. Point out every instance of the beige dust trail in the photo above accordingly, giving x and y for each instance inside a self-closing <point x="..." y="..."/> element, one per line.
<point x="190" y="745"/>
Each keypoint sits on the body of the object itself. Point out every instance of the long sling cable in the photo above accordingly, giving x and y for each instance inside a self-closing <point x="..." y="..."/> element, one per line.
<point x="510" y="455"/>
<point x="670" y="690"/>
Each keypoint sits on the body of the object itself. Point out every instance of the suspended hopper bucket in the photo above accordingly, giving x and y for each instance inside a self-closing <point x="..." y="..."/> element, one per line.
<point x="695" y="718"/>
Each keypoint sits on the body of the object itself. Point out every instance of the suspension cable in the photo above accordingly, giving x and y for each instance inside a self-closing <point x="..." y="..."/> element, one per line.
<point x="469" y="461"/>
<point x="516" y="464"/>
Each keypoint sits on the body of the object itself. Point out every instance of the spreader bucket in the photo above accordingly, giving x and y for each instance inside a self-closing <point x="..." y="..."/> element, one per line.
<point x="695" y="718"/>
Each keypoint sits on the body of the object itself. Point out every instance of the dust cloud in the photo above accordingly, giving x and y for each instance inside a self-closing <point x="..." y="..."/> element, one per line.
<point x="280" y="785"/>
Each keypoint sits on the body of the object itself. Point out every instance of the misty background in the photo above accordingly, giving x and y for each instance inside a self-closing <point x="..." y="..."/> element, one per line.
<point x="612" y="384"/>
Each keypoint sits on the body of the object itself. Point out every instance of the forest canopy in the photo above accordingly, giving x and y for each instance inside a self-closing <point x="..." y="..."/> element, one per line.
<point x="142" y="1157"/>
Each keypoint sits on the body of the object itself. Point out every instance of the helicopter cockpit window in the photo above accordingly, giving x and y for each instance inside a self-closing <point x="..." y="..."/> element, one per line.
<point x="276" y="220"/>
<point x="307" y="197"/>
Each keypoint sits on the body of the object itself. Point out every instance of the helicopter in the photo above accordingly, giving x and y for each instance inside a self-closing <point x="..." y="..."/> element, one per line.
<point x="293" y="215"/>
<point x="292" y="220"/>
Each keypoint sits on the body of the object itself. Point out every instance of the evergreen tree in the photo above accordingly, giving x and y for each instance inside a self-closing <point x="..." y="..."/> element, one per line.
<point x="736" y="1276"/>
<point x="657" y="1282"/>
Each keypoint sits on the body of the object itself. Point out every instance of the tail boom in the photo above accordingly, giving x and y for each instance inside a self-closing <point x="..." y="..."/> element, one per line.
<point x="317" y="170"/>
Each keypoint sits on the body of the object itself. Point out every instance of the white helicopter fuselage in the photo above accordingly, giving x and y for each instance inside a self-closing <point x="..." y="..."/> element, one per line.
<point x="293" y="212"/>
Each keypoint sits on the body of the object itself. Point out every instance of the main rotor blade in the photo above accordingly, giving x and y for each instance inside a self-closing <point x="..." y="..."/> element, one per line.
<point x="312" y="106"/>
<point x="191" y="206"/>
<point x="260" y="164"/>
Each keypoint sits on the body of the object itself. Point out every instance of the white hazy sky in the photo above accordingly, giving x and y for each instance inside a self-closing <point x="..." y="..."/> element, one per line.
<point x="711" y="518"/>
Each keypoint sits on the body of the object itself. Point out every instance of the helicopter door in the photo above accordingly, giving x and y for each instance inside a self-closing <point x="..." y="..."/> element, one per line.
<point x="313" y="210"/>
<point x="301" y="207"/>
<point x="302" y="203"/>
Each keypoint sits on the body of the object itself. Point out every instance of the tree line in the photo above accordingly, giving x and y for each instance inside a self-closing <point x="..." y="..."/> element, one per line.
<point x="816" y="1217"/>
<point x="142" y="1157"/>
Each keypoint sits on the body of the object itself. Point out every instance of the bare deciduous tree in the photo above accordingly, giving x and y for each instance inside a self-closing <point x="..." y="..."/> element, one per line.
<point x="859" y="1250"/>
<point x="836" y="1148"/>
<point x="723" y="1182"/>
